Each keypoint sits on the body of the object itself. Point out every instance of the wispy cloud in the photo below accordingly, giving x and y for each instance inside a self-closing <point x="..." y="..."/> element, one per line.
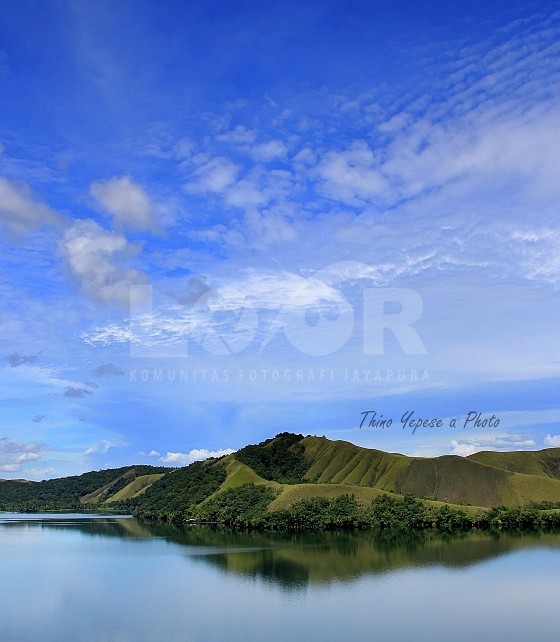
<point x="283" y="293"/>
<point x="430" y="179"/>
<point x="103" y="446"/>
<point x="283" y="205"/>
<point x="20" y="212"/>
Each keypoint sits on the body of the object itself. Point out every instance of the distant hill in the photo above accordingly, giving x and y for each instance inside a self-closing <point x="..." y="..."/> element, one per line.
<point x="290" y="468"/>
<point x="90" y="490"/>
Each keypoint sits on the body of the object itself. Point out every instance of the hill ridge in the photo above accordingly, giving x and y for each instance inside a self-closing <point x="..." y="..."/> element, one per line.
<point x="320" y="467"/>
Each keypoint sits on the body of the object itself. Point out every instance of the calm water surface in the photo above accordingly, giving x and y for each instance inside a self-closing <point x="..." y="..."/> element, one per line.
<point x="97" y="578"/>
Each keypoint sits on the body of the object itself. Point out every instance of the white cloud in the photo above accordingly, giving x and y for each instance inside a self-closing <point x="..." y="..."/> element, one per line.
<point x="20" y="459"/>
<point x="538" y="252"/>
<point x="268" y="228"/>
<point x="260" y="187"/>
<point x="13" y="454"/>
<point x="152" y="453"/>
<point x="466" y="447"/>
<point x="552" y="441"/>
<point x="184" y="459"/>
<point x="238" y="136"/>
<point x="10" y="468"/>
<point x="98" y="259"/>
<point x="353" y="176"/>
<point x="9" y="446"/>
<point x="103" y="446"/>
<point x="305" y="157"/>
<point x="246" y="193"/>
<point x="274" y="291"/>
<point x="214" y="176"/>
<point x="278" y="292"/>
<point x="443" y="184"/>
<point x="395" y="123"/>
<point x="20" y="212"/>
<point x="126" y="202"/>
<point x="111" y="333"/>
<point x="269" y="151"/>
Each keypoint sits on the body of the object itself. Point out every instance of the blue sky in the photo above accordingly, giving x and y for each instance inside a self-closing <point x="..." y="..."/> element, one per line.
<point x="219" y="221"/>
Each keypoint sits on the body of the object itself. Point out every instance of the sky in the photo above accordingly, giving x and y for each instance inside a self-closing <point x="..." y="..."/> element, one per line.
<point x="220" y="221"/>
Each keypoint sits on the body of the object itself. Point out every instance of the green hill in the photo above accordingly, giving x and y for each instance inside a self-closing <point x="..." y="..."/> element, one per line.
<point x="294" y="468"/>
<point x="135" y="488"/>
<point x="290" y="469"/>
<point x="89" y="490"/>
<point x="486" y="479"/>
<point x="545" y="463"/>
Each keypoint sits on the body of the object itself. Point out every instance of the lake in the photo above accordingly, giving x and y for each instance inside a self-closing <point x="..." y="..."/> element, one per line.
<point x="105" y="578"/>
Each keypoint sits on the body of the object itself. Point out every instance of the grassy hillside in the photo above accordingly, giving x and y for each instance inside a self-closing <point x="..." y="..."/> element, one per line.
<point x="486" y="479"/>
<point x="176" y="494"/>
<point x="76" y="492"/>
<point x="297" y="468"/>
<point x="340" y="462"/>
<point x="135" y="488"/>
<point x="545" y="463"/>
<point x="288" y="471"/>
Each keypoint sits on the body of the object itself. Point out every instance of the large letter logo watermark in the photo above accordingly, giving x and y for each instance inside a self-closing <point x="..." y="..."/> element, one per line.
<point x="322" y="325"/>
<point x="224" y="332"/>
<point x="317" y="318"/>
<point x="377" y="319"/>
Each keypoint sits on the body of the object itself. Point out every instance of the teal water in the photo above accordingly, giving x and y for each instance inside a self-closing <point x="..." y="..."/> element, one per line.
<point x="97" y="578"/>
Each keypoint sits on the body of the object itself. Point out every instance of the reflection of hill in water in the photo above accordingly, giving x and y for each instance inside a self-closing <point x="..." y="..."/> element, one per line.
<point x="295" y="560"/>
<point x="355" y="555"/>
<point x="94" y="525"/>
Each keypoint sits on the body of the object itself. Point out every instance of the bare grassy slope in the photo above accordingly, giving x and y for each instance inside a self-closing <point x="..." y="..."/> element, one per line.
<point x="487" y="479"/>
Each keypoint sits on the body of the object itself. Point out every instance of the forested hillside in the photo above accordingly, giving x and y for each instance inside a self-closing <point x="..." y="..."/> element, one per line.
<point x="296" y="482"/>
<point x="76" y="492"/>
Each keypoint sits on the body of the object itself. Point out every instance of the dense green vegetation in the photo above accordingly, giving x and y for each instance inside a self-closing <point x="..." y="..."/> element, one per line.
<point x="280" y="459"/>
<point x="176" y="495"/>
<point x="241" y="507"/>
<point x="296" y="483"/>
<point x="246" y="507"/>
<point x="69" y="493"/>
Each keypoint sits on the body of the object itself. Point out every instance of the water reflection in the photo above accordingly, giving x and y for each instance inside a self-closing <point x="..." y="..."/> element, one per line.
<point x="296" y="560"/>
<point x="342" y="557"/>
<point x="85" y="523"/>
